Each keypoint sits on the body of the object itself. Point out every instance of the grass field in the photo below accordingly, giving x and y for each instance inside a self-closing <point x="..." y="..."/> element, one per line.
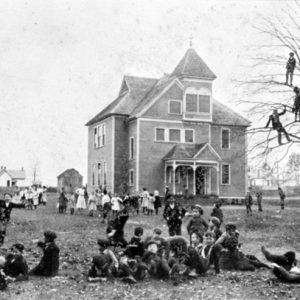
<point x="77" y="235"/>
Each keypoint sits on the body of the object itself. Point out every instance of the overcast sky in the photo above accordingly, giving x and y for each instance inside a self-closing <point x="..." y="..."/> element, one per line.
<point x="61" y="62"/>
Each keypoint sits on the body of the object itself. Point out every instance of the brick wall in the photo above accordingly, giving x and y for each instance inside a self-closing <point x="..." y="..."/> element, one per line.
<point x="99" y="155"/>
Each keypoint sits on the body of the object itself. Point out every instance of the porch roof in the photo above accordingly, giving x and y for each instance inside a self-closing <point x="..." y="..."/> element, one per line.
<point x="193" y="152"/>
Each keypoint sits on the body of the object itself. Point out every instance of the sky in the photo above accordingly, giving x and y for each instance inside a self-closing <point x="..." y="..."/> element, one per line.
<point x="62" y="62"/>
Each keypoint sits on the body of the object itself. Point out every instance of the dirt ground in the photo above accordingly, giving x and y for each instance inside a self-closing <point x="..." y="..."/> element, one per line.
<point x="77" y="237"/>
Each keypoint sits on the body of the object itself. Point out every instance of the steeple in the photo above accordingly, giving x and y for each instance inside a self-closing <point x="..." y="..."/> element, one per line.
<point x="192" y="65"/>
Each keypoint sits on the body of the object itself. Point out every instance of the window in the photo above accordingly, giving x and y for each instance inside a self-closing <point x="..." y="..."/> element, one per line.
<point x="99" y="174"/>
<point x="225" y="174"/>
<point x="175" y="107"/>
<point x="160" y="134"/>
<point x="204" y="104"/>
<point x="99" y="135"/>
<point x="225" y="138"/>
<point x="191" y="103"/>
<point x="93" y="174"/>
<point x="174" y="135"/>
<point x="131" y="178"/>
<point x="189" y="136"/>
<point x="104" y="172"/>
<point x="131" y="148"/>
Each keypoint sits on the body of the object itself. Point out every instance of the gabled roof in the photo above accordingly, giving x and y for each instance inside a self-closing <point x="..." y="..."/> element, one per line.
<point x="133" y="90"/>
<point x="223" y="115"/>
<point x="184" y="151"/>
<point x="14" y="174"/>
<point x="72" y="170"/>
<point x="136" y="93"/>
<point x="192" y="65"/>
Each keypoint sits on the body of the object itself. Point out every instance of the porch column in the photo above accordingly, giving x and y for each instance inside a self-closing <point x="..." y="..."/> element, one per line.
<point x="174" y="171"/>
<point x="194" y="178"/>
<point x="218" y="179"/>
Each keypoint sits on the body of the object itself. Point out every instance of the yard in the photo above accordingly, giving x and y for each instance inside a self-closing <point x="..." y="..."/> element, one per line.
<point x="77" y="237"/>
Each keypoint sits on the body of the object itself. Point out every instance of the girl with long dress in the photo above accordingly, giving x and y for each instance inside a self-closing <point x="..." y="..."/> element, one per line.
<point x="80" y="205"/>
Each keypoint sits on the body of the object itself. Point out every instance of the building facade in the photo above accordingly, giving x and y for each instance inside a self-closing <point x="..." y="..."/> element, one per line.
<point x="9" y="178"/>
<point x="169" y="132"/>
<point x="70" y="180"/>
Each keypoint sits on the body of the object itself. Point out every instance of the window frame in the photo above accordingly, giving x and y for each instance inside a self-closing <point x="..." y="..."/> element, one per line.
<point x="180" y="135"/>
<point x="99" y="134"/>
<point x="131" y="183"/>
<point x="229" y="135"/>
<point x="165" y="136"/>
<point x="131" y="148"/>
<point x="169" y="110"/>
<point x="229" y="173"/>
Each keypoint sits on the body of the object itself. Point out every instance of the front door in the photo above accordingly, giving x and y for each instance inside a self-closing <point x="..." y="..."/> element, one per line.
<point x="201" y="181"/>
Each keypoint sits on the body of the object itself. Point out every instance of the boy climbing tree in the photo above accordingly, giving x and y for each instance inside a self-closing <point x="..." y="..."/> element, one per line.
<point x="296" y="107"/>
<point x="276" y="124"/>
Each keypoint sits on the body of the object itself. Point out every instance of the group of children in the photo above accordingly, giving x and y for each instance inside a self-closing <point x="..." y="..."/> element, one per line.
<point x="102" y="204"/>
<point x="155" y="256"/>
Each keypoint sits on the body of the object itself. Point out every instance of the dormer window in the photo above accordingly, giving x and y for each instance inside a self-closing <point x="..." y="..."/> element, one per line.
<point x="197" y="104"/>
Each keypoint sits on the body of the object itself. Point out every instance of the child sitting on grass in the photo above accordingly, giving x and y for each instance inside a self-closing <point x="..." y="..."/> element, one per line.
<point x="136" y="245"/>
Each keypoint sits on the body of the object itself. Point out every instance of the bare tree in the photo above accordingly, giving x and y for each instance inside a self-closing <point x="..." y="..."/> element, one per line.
<point x="264" y="89"/>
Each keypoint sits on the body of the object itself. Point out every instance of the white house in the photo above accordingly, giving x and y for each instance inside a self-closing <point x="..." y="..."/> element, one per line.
<point x="12" y="177"/>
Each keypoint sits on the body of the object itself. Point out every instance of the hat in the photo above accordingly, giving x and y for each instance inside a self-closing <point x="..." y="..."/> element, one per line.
<point x="51" y="235"/>
<point x="199" y="208"/>
<point x="157" y="231"/>
<point x="103" y="242"/>
<point x="292" y="53"/>
<point x="138" y="231"/>
<point x="216" y="221"/>
<point x="230" y="226"/>
<point x="18" y="246"/>
<point x="99" y="260"/>
<point x="151" y="242"/>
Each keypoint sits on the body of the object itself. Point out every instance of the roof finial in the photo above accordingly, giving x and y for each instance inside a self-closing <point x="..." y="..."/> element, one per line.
<point x="191" y="41"/>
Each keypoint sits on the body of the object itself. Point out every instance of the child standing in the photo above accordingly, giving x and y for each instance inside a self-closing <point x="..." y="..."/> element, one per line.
<point x="145" y="200"/>
<point x="151" y="201"/>
<point x="72" y="203"/>
<point x="115" y="204"/>
<point x="217" y="211"/>
<point x="92" y="204"/>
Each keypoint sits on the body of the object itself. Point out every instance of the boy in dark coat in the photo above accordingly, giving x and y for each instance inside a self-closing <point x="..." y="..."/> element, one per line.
<point x="217" y="211"/>
<point x="259" y="200"/>
<point x="49" y="263"/>
<point x="296" y="107"/>
<point x="173" y="214"/>
<point x="115" y="229"/>
<point x="15" y="266"/>
<point x="248" y="203"/>
<point x="290" y="67"/>
<point x="281" y="196"/>
<point x="276" y="124"/>
<point x="136" y="246"/>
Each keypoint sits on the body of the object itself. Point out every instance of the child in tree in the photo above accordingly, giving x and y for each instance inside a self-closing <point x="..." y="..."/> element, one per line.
<point x="276" y="124"/>
<point x="290" y="67"/>
<point x="296" y="107"/>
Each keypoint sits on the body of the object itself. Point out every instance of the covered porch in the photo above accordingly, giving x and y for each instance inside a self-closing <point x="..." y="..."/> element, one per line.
<point x="192" y="169"/>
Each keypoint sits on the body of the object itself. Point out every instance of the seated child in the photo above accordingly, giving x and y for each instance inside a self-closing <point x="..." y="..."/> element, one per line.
<point x="3" y="282"/>
<point x="136" y="246"/>
<point x="105" y="264"/>
<point x="162" y="244"/>
<point x="49" y="263"/>
<point x="214" y="226"/>
<point x="202" y="255"/>
<point x="158" y="266"/>
<point x="15" y="266"/>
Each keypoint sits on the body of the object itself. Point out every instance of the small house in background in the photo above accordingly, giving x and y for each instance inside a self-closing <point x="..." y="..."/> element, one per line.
<point x="10" y="178"/>
<point x="70" y="180"/>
